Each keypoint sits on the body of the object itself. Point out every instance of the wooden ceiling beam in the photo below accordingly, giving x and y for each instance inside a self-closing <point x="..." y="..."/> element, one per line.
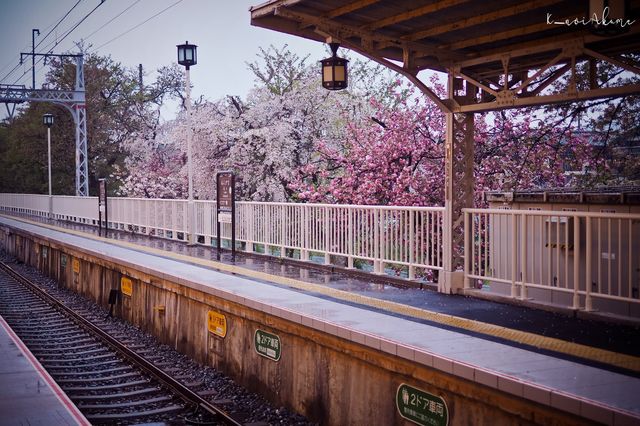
<point x="528" y="101"/>
<point x="480" y="19"/>
<point x="548" y="44"/>
<point x="414" y="13"/>
<point x="348" y="8"/>
<point x="503" y="35"/>
<point x="343" y="10"/>
<point x="341" y="32"/>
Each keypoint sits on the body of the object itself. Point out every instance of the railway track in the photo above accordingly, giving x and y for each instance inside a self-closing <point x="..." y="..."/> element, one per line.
<point x="108" y="381"/>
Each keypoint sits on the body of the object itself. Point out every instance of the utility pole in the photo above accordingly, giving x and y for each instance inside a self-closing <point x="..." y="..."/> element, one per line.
<point x="33" y="57"/>
<point x="140" y="76"/>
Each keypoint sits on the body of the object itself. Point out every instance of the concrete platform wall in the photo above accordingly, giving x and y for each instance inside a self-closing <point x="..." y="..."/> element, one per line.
<point x="330" y="379"/>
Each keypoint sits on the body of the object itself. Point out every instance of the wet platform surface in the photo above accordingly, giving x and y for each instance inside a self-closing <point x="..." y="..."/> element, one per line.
<point x="611" y="337"/>
<point x="28" y="395"/>
<point x="590" y="391"/>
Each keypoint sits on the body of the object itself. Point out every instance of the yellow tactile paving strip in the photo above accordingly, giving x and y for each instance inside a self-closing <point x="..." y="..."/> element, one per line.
<point x="547" y="343"/>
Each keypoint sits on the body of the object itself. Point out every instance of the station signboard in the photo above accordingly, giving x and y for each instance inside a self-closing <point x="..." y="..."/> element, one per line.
<point x="225" y="191"/>
<point x="75" y="264"/>
<point x="217" y="323"/>
<point x="421" y="407"/>
<point x="126" y="286"/>
<point x="225" y="217"/>
<point x="268" y="345"/>
<point x="102" y="207"/>
<point x="226" y="207"/>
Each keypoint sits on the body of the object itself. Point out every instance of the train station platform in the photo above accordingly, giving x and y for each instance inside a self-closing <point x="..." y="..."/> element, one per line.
<point x="476" y="356"/>
<point x="28" y="394"/>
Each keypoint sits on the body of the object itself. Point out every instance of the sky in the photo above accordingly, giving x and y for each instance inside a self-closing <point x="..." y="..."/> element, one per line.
<point x="221" y="29"/>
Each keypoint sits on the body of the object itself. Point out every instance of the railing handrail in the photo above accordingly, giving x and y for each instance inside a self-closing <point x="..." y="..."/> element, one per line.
<point x="270" y="203"/>
<point x="553" y="213"/>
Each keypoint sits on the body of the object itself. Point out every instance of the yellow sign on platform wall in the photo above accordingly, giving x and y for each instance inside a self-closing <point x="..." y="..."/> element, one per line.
<point x="217" y="323"/>
<point x="76" y="266"/>
<point x="126" y="286"/>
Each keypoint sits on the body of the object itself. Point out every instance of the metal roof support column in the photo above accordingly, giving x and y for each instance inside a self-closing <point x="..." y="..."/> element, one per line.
<point x="459" y="186"/>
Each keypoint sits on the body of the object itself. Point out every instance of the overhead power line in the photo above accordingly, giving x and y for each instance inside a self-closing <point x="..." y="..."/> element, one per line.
<point x="51" y="46"/>
<point x="113" y="19"/>
<point x="51" y="28"/>
<point x="59" y="22"/>
<point x="138" y="25"/>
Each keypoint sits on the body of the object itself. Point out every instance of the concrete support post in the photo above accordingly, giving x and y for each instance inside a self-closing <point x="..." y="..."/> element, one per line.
<point x="588" y="304"/>
<point x="350" y="241"/>
<point x="327" y="246"/>
<point x="576" y="262"/>
<point x="306" y="233"/>
<point x="283" y="230"/>
<point x="250" y="212"/>
<point x="524" y="243"/>
<point x="412" y="244"/>
<point x="468" y="241"/>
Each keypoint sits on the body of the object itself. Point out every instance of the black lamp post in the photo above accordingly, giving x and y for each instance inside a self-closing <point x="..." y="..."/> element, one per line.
<point x="334" y="70"/>
<point x="187" y="54"/>
<point x="47" y="120"/>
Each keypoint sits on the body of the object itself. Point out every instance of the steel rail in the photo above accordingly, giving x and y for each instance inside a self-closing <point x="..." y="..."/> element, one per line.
<point x="165" y="379"/>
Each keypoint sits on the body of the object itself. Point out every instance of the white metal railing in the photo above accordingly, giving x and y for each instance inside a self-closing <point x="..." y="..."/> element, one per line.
<point x="517" y="253"/>
<point x="577" y="259"/>
<point x="408" y="237"/>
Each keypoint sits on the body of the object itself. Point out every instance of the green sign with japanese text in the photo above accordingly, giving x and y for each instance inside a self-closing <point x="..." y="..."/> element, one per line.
<point x="421" y="407"/>
<point x="268" y="345"/>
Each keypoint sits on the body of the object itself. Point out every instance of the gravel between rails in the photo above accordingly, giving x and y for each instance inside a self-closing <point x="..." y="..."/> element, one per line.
<point x="213" y="385"/>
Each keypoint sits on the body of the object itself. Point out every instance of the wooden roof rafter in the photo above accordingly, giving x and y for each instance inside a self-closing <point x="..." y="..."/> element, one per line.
<point x="466" y="39"/>
<point x="500" y="36"/>
<point x="518" y="94"/>
<point x="343" y="10"/>
<point x="343" y="32"/>
<point x="348" y="8"/>
<point x="479" y="19"/>
<point x="411" y="14"/>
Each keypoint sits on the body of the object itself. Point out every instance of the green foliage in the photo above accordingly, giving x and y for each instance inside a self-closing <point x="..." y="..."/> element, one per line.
<point x="117" y="111"/>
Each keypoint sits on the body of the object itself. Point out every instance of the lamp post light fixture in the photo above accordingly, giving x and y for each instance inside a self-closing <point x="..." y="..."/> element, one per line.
<point x="334" y="70"/>
<point x="187" y="56"/>
<point x="47" y="120"/>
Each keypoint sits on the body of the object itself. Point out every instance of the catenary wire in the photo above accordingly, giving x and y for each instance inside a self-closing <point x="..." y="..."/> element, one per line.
<point x="61" y="39"/>
<point x="50" y="29"/>
<point x="138" y="25"/>
<point x="113" y="19"/>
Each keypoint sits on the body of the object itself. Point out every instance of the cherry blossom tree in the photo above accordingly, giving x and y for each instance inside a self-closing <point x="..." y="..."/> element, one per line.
<point x="397" y="157"/>
<point x="263" y="139"/>
<point x="378" y="143"/>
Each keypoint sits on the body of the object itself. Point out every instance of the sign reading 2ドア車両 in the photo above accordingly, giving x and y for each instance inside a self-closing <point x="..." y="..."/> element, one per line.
<point x="421" y="407"/>
<point x="268" y="345"/>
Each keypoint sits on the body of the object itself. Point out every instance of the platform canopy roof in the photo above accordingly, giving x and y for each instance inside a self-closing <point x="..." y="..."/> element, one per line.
<point x="476" y="40"/>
